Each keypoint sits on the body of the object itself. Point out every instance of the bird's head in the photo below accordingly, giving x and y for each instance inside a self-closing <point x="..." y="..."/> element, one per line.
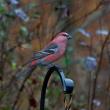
<point x="65" y="34"/>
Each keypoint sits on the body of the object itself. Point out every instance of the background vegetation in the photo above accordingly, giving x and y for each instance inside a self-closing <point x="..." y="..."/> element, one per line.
<point x="88" y="23"/>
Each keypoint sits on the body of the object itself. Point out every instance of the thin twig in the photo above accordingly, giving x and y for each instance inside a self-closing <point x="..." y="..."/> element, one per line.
<point x="98" y="70"/>
<point x="29" y="72"/>
<point x="108" y="81"/>
<point x="69" y="22"/>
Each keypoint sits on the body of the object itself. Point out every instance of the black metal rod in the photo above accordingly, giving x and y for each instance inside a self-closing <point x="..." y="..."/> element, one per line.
<point x="66" y="83"/>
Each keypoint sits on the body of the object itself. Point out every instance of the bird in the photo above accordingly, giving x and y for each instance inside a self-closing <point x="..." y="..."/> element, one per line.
<point x="49" y="54"/>
<point x="52" y="52"/>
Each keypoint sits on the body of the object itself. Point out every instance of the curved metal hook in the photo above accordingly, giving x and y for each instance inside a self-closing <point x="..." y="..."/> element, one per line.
<point x="67" y="84"/>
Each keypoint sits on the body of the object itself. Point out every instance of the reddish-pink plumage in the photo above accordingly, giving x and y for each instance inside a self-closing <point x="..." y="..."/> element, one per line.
<point x="53" y="51"/>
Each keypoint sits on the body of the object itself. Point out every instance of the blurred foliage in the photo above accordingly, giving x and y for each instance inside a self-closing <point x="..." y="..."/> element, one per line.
<point x="6" y="108"/>
<point x="2" y="8"/>
<point x="46" y="18"/>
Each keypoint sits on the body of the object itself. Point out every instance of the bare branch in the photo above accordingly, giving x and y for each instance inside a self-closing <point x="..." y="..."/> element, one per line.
<point x="92" y="16"/>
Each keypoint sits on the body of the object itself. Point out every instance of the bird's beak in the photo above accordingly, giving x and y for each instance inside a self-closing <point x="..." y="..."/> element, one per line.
<point x="69" y="37"/>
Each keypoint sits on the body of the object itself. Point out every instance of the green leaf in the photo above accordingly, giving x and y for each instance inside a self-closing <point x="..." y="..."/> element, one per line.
<point x="32" y="5"/>
<point x="67" y="61"/>
<point x="1" y="94"/>
<point x="3" y="25"/>
<point x="2" y="8"/>
<point x="13" y="65"/>
<point x="2" y="33"/>
<point x="27" y="45"/>
<point x="70" y="49"/>
<point x="57" y="92"/>
<point x="24" y="31"/>
<point x="29" y="81"/>
<point x="7" y="108"/>
<point x="2" y="36"/>
<point x="10" y="15"/>
<point x="35" y="15"/>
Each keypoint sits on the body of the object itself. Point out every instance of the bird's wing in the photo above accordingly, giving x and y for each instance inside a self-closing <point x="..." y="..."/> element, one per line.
<point x="50" y="49"/>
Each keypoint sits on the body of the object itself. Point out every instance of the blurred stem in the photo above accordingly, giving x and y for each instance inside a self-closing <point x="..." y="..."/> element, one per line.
<point x="108" y="81"/>
<point x="90" y="77"/>
<point x="93" y="94"/>
<point x="108" y="91"/>
<point x="1" y="63"/>
<point x="66" y="62"/>
<point x="89" y="89"/>
<point x="28" y="74"/>
<point x="38" y="34"/>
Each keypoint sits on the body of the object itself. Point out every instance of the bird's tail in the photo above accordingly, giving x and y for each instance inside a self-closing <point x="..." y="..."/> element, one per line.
<point x="17" y="83"/>
<point x="22" y="74"/>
